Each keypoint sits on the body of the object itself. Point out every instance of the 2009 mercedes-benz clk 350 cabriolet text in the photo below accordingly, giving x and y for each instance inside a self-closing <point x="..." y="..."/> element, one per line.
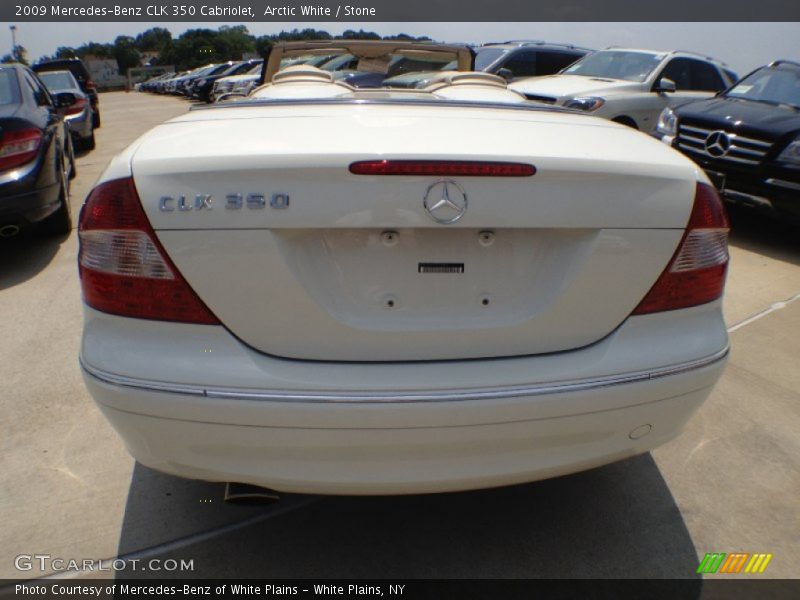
<point x="327" y="290"/>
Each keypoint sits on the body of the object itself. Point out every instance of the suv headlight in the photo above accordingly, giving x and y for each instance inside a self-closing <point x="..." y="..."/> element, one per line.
<point x="667" y="122"/>
<point x="791" y="154"/>
<point x="589" y="104"/>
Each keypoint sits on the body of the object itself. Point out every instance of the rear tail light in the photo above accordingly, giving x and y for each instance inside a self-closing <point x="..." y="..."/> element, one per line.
<point x="124" y="269"/>
<point x="696" y="273"/>
<point x="19" y="147"/>
<point x="77" y="106"/>
<point x="452" y="168"/>
<point x="90" y="85"/>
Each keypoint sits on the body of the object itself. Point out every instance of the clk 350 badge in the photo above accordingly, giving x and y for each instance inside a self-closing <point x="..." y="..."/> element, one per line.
<point x="232" y="202"/>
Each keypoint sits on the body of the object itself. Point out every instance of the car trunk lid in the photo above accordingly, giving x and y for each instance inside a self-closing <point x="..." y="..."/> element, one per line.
<point x="299" y="257"/>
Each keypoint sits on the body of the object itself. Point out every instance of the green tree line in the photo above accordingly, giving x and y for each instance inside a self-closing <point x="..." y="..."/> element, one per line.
<point x="196" y="47"/>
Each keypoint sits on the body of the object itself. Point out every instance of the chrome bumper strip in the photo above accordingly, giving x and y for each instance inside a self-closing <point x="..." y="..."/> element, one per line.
<point x="789" y="185"/>
<point x="404" y="397"/>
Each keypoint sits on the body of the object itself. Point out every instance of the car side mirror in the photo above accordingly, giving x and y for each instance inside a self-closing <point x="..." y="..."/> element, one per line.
<point x="665" y="85"/>
<point x="64" y="100"/>
<point x="506" y="74"/>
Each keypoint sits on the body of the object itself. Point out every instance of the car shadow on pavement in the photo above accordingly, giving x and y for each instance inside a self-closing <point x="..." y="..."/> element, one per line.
<point x="615" y="521"/>
<point x="764" y="235"/>
<point x="26" y="254"/>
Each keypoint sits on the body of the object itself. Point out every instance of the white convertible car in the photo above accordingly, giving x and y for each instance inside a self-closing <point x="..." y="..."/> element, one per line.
<point x="325" y="290"/>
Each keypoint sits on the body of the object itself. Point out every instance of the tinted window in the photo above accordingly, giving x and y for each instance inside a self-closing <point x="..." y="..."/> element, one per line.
<point x="343" y="62"/>
<point x="705" y="77"/>
<point x="679" y="71"/>
<point x="484" y="57"/>
<point x="316" y="61"/>
<point x="58" y="80"/>
<point x="37" y="90"/>
<point x="9" y="88"/>
<point x="236" y="69"/>
<point x="522" y="63"/>
<point x="774" y="85"/>
<point x="218" y="69"/>
<point x="548" y="63"/>
<point x="75" y="67"/>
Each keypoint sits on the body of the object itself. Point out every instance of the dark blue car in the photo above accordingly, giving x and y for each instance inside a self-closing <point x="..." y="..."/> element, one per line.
<point x="36" y="156"/>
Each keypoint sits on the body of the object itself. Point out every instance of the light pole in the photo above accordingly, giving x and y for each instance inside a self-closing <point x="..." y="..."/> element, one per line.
<point x="13" y="29"/>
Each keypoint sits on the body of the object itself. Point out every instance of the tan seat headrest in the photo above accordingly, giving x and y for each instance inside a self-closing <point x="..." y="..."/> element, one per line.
<point x="302" y="73"/>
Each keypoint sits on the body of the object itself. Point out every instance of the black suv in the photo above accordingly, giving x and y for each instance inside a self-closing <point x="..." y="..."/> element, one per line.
<point x="81" y="74"/>
<point x="747" y="138"/>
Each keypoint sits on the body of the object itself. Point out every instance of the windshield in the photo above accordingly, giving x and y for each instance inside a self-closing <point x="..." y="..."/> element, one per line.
<point x="58" y="80"/>
<point x="484" y="57"/>
<point x="616" y="64"/>
<point x="218" y="69"/>
<point x="316" y="61"/>
<point x="197" y="72"/>
<point x="774" y="85"/>
<point x="236" y="69"/>
<point x="340" y="62"/>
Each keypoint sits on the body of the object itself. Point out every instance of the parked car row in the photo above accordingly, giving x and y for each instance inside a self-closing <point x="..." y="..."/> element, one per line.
<point x="198" y="84"/>
<point x="511" y="60"/>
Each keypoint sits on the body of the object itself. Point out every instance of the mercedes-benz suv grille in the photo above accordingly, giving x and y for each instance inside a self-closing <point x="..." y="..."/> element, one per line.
<point x="728" y="146"/>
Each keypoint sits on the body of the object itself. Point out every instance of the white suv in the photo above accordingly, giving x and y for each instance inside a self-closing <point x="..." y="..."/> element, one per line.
<point x="630" y="86"/>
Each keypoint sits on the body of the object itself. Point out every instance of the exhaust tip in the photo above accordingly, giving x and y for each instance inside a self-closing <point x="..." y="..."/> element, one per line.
<point x="8" y="231"/>
<point x="249" y="495"/>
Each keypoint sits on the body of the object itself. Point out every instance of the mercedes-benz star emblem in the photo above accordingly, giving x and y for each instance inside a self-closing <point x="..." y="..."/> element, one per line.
<point x="445" y="201"/>
<point x="718" y="143"/>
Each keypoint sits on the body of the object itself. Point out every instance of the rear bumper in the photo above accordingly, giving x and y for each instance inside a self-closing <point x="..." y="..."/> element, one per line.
<point x="384" y="447"/>
<point x="22" y="202"/>
<point x="193" y="401"/>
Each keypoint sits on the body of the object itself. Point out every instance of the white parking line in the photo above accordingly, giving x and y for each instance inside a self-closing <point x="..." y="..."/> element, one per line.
<point x="763" y="313"/>
<point x="106" y="564"/>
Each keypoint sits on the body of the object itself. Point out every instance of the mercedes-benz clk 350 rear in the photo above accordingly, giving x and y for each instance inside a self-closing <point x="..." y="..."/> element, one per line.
<point x="396" y="295"/>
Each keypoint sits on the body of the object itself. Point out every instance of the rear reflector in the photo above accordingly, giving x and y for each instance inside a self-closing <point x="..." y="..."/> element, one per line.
<point x="124" y="269"/>
<point x="19" y="147"/>
<point x="696" y="273"/>
<point x="463" y="168"/>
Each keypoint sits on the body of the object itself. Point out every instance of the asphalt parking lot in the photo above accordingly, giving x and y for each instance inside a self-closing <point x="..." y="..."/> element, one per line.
<point x="730" y="483"/>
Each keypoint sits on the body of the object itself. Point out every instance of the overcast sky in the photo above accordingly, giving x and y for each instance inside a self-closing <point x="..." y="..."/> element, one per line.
<point x="743" y="46"/>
